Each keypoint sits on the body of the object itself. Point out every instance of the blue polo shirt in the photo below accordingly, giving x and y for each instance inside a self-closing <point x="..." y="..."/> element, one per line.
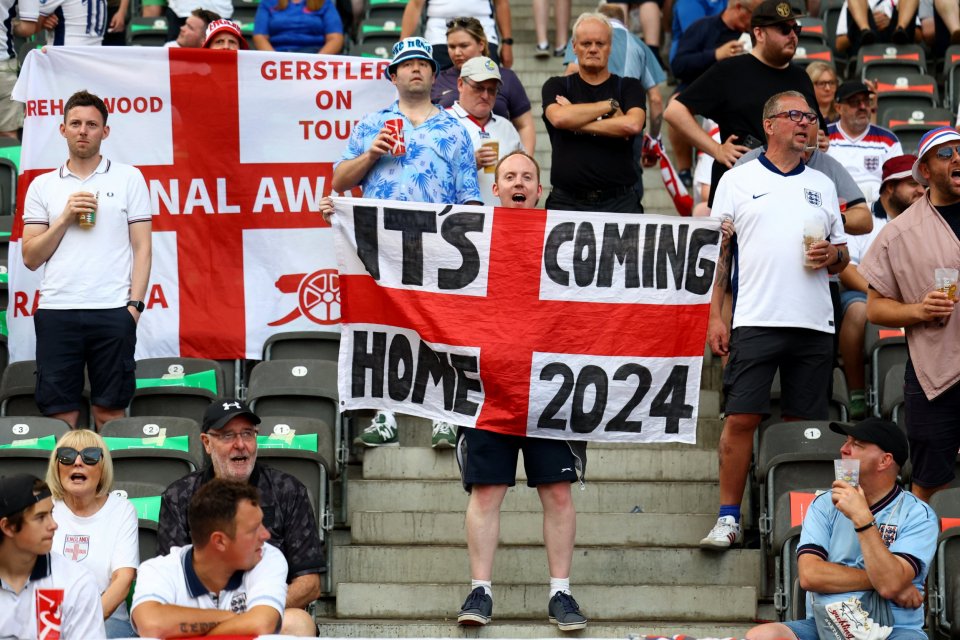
<point x="295" y="28"/>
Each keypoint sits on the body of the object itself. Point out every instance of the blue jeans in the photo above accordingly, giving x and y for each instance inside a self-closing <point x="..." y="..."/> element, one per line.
<point x="807" y="630"/>
<point x="119" y="628"/>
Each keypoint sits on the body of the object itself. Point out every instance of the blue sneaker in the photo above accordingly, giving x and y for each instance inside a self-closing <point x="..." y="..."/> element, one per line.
<point x="565" y="612"/>
<point x="477" y="609"/>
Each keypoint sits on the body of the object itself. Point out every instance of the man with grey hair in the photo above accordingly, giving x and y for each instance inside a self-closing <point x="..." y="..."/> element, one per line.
<point x="592" y="117"/>
<point x="784" y="242"/>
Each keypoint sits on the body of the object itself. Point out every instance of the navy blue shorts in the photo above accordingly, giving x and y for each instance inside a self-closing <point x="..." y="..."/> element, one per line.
<point x="102" y="340"/>
<point x="933" y="429"/>
<point x="487" y="457"/>
<point x="805" y="360"/>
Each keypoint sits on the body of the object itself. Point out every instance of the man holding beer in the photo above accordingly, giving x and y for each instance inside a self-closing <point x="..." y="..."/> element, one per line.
<point x="789" y="236"/>
<point x="89" y="222"/>
<point x="899" y="269"/>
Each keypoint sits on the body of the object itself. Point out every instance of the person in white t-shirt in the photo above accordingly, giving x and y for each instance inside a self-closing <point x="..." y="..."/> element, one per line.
<point x="783" y="314"/>
<point x="228" y="582"/>
<point x="478" y="86"/>
<point x="96" y="529"/>
<point x="41" y="593"/>
<point x="75" y="23"/>
<point x="88" y="224"/>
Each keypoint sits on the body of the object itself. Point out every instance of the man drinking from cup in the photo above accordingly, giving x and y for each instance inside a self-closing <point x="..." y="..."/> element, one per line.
<point x="900" y="268"/>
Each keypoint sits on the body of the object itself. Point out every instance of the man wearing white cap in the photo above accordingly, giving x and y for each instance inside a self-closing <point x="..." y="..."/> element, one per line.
<point x="899" y="268"/>
<point x="478" y="86"/>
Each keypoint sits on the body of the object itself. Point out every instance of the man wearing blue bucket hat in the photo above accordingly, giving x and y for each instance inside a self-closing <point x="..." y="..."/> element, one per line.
<point x="902" y="267"/>
<point x="413" y="150"/>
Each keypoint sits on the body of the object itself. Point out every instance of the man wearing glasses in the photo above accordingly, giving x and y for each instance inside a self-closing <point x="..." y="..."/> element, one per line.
<point x="229" y="436"/>
<point x="733" y="91"/>
<point x="859" y="146"/>
<point x="899" y="269"/>
<point x="789" y="236"/>
<point x="478" y="86"/>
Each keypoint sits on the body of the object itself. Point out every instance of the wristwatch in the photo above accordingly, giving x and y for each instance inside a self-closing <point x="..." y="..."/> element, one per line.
<point x="137" y="304"/>
<point x="614" y="107"/>
<point x="506" y="41"/>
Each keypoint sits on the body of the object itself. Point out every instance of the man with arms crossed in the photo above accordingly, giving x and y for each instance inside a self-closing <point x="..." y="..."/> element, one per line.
<point x="95" y="279"/>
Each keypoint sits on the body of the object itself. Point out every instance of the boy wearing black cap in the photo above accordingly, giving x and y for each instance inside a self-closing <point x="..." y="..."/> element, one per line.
<point x="40" y="592"/>
<point x="856" y="540"/>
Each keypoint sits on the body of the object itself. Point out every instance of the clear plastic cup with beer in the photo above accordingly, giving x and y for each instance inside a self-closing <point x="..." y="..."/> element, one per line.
<point x="88" y="219"/>
<point x="946" y="281"/>
<point x="812" y="233"/>
<point x="495" y="145"/>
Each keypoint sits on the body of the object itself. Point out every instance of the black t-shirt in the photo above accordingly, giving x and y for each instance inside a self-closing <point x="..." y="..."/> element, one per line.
<point x="587" y="162"/>
<point x="732" y="93"/>
<point x="951" y="213"/>
<point x="697" y="49"/>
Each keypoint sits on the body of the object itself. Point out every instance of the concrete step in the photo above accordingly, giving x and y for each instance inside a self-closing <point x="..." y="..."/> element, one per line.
<point x="605" y="461"/>
<point x="526" y="528"/>
<point x="505" y="628"/>
<point x="517" y="565"/>
<point x="614" y="497"/>
<point x="529" y="602"/>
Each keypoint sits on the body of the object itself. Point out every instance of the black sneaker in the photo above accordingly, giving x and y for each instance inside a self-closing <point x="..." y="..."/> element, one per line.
<point x="565" y="612"/>
<point x="477" y="608"/>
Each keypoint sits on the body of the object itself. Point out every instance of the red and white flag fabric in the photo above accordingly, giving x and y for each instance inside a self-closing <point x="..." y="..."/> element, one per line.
<point x="237" y="149"/>
<point x="551" y="324"/>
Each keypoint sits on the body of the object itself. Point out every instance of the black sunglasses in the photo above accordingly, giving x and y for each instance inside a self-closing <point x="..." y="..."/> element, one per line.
<point x="90" y="455"/>
<point x="463" y="22"/>
<point x="785" y="28"/>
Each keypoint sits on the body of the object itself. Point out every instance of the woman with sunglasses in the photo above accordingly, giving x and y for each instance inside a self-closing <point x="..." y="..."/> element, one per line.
<point x="824" y="78"/>
<point x="466" y="40"/>
<point x="96" y="528"/>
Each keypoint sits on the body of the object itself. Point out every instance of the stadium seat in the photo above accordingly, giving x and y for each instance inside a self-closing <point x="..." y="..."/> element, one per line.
<point x="147" y="32"/>
<point x="878" y="58"/>
<point x="27" y="47"/>
<point x="245" y="11"/>
<point x="305" y="388"/>
<point x="379" y="47"/>
<point x="884" y="347"/>
<point x="296" y="345"/>
<point x="304" y="448"/>
<point x="891" y="394"/>
<point x="386" y="9"/>
<point x="910" y="124"/>
<point x="905" y="89"/>
<point x="808" y="52"/>
<point x="830" y="14"/>
<point x="4" y="349"/>
<point x="156" y="449"/>
<point x="951" y="77"/>
<point x="145" y="497"/>
<point x="17" y="386"/>
<point x="26" y="443"/>
<point x="945" y="572"/>
<point x="839" y="400"/>
<point x="180" y="387"/>
<point x="790" y="509"/>
<point x="8" y="186"/>
<point x="812" y="31"/>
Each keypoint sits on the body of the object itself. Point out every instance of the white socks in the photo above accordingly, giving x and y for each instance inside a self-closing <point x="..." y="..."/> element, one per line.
<point x="559" y="584"/>
<point x="486" y="584"/>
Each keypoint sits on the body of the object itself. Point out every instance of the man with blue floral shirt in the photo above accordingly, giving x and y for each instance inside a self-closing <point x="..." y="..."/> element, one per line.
<point x="437" y="166"/>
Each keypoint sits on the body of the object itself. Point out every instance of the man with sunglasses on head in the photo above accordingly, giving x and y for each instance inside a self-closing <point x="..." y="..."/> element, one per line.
<point x="229" y="436"/>
<point x="861" y="147"/>
<point x="899" y="269"/>
<point x="783" y="314"/>
<point x="478" y="86"/>
<point x="41" y="593"/>
<point x="733" y="91"/>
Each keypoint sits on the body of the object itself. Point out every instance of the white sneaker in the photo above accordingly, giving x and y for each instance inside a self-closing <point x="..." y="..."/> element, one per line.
<point x="725" y="533"/>
<point x="444" y="435"/>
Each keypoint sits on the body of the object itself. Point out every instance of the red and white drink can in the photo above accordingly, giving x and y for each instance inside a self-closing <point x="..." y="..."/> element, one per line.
<point x="395" y="127"/>
<point x="49" y="613"/>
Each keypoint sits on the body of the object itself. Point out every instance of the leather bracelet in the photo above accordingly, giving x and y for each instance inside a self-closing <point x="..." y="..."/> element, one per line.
<point x="872" y="523"/>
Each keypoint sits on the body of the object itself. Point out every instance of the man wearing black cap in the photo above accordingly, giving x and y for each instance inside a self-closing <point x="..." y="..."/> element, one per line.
<point x="863" y="541"/>
<point x="861" y="147"/>
<point x="230" y="438"/>
<point x="733" y="91"/>
<point x="41" y="593"/>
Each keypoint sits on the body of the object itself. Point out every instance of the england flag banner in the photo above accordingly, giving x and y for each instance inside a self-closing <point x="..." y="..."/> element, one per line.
<point x="552" y="324"/>
<point x="237" y="149"/>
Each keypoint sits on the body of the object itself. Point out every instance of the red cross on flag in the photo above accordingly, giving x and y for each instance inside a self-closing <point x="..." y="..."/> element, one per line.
<point x="550" y="324"/>
<point x="237" y="149"/>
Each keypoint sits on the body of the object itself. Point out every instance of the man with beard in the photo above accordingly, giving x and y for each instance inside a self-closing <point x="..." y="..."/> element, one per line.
<point x="733" y="91"/>
<point x="488" y="467"/>
<point x="898" y="190"/>
<point x="899" y="269"/>
<point x="89" y="222"/>
<point x="229" y="436"/>
<point x="770" y="202"/>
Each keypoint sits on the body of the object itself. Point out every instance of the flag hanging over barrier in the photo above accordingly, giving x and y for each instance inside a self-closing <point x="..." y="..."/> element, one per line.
<point x="550" y="324"/>
<point x="237" y="149"/>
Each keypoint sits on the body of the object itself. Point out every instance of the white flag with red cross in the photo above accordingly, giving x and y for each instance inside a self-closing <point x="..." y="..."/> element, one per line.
<point x="552" y="324"/>
<point x="237" y="149"/>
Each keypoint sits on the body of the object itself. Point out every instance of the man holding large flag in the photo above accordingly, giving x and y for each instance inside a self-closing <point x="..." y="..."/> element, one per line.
<point x="488" y="467"/>
<point x="89" y="222"/>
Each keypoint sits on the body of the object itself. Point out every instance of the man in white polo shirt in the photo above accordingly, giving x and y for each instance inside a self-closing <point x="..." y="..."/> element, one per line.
<point x="41" y="593"/>
<point x="228" y="582"/>
<point x="478" y="86"/>
<point x="89" y="223"/>
<point x="783" y="315"/>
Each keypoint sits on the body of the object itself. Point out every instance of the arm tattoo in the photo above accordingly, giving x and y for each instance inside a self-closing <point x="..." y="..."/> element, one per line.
<point x="724" y="263"/>
<point x="197" y="628"/>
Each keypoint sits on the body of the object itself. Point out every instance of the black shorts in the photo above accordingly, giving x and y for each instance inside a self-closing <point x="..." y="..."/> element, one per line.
<point x="805" y="359"/>
<point x="933" y="429"/>
<point x="487" y="457"/>
<point x="68" y="339"/>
